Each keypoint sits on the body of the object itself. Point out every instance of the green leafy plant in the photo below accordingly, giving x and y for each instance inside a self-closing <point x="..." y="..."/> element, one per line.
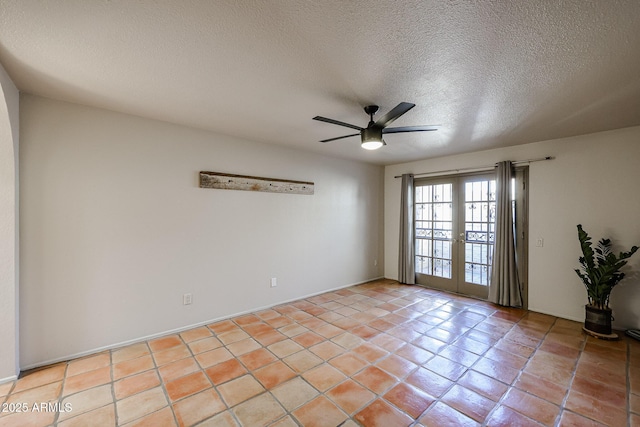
<point x="600" y="268"/>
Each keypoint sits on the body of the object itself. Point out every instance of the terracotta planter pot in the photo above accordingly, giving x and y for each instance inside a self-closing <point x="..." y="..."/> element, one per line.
<point x="597" y="320"/>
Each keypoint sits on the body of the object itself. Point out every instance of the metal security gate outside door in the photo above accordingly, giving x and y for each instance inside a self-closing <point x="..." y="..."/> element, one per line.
<point x="454" y="233"/>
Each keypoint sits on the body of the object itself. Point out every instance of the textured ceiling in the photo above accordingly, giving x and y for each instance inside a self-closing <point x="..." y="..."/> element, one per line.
<point x="491" y="73"/>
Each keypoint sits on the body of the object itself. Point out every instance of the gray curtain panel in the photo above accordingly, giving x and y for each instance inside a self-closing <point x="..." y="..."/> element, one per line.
<point x="505" y="287"/>
<point x="406" y="258"/>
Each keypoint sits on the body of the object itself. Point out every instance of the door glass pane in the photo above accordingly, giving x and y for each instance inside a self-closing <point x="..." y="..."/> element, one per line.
<point x="434" y="229"/>
<point x="479" y="230"/>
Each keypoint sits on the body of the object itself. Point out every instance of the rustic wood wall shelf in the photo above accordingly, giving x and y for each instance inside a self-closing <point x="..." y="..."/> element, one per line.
<point x="224" y="181"/>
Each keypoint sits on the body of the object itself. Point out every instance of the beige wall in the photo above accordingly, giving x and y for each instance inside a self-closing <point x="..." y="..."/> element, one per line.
<point x="593" y="181"/>
<point x="9" y="129"/>
<point x="115" y="230"/>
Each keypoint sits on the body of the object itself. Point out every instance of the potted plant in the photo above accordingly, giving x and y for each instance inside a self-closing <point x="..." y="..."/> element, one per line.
<point x="600" y="272"/>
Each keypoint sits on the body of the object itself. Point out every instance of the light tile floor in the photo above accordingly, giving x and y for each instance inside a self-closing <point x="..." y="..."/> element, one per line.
<point x="379" y="354"/>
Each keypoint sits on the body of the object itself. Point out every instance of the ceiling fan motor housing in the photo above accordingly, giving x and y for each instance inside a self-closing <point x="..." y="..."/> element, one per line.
<point x="372" y="133"/>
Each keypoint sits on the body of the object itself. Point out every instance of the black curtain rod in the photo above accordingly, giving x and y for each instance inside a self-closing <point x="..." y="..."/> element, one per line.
<point x="479" y="168"/>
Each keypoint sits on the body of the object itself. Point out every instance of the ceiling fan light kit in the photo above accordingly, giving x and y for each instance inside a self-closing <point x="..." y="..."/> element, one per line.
<point x="372" y="145"/>
<point x="371" y="136"/>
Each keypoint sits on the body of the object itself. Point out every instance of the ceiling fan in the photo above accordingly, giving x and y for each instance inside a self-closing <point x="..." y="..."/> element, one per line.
<point x="371" y="136"/>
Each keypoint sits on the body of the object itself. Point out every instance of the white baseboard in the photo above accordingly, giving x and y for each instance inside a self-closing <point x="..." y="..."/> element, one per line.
<point x="560" y="316"/>
<point x="8" y="379"/>
<point x="180" y="329"/>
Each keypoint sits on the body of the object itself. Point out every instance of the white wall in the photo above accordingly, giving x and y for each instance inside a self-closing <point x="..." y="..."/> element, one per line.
<point x="9" y="130"/>
<point x="593" y="181"/>
<point x="115" y="230"/>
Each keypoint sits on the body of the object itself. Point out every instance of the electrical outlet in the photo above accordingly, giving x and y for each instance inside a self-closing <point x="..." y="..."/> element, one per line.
<point x="540" y="242"/>
<point x="375" y="262"/>
<point x="274" y="282"/>
<point x="187" y="299"/>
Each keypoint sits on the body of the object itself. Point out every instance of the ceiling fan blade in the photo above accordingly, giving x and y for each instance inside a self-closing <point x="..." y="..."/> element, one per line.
<point x="410" y="129"/>
<point x="336" y="122"/>
<point x="396" y="112"/>
<point x="340" y="137"/>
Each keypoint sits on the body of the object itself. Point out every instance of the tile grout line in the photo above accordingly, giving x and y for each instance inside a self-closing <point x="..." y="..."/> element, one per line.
<point x="511" y="385"/>
<point x="566" y="395"/>
<point x="535" y="350"/>
<point x="573" y="376"/>
<point x="164" y="383"/>
<point x="250" y="372"/>
<point x="228" y="409"/>
<point x="401" y="380"/>
<point x="350" y="378"/>
<point x="5" y="399"/>
<point x="438" y="399"/>
<point x="153" y="369"/>
<point x="113" y="388"/>
<point x="467" y="369"/>
<point x="367" y="298"/>
<point x="417" y="367"/>
<point x="454" y="383"/>
<point x="326" y="339"/>
<point x="156" y="367"/>
<point x="56" y="417"/>
<point x="325" y="362"/>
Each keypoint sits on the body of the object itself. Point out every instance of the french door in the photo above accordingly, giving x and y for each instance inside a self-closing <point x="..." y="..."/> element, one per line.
<point x="454" y="233"/>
